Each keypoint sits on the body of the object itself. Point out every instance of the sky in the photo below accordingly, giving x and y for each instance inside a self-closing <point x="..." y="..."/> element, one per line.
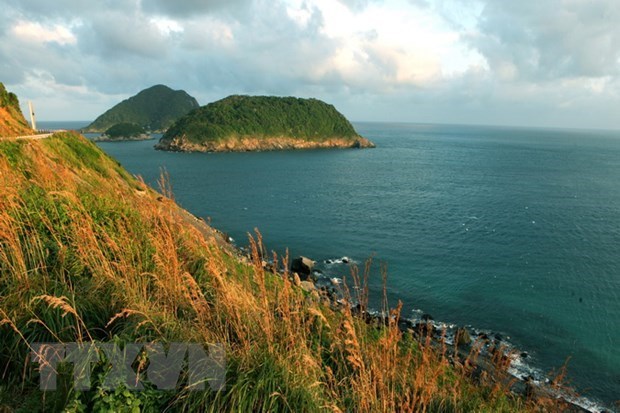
<point x="550" y="63"/>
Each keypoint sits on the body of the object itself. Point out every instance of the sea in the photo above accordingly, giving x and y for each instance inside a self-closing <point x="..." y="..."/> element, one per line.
<point x="511" y="231"/>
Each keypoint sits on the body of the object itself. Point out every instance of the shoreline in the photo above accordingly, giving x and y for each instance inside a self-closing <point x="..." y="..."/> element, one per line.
<point x="262" y="144"/>
<point x="492" y="352"/>
<point x="487" y="354"/>
<point x="105" y="138"/>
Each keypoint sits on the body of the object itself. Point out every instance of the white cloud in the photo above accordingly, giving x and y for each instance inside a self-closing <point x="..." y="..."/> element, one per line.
<point x="37" y="33"/>
<point x="166" y="25"/>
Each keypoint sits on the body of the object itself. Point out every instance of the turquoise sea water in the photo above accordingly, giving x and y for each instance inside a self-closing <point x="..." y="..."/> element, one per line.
<point x="515" y="231"/>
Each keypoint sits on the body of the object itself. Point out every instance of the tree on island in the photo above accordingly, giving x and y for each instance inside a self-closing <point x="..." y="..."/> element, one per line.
<point x="125" y="131"/>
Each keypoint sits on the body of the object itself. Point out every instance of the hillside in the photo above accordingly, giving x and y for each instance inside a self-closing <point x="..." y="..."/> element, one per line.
<point x="154" y="109"/>
<point x="12" y="122"/>
<point x="251" y="123"/>
<point x="92" y="255"/>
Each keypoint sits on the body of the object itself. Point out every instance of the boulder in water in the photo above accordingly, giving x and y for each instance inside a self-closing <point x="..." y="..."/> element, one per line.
<point x="303" y="266"/>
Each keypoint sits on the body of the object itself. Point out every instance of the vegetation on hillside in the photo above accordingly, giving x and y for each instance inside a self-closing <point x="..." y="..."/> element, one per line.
<point x="12" y="122"/>
<point x="260" y="117"/>
<point x="154" y="109"/>
<point x="88" y="253"/>
<point x="8" y="98"/>
<point x="124" y="130"/>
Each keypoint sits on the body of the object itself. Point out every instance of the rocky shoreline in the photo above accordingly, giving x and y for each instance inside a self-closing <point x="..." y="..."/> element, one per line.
<point x="486" y="354"/>
<point x="106" y="138"/>
<point x="260" y="144"/>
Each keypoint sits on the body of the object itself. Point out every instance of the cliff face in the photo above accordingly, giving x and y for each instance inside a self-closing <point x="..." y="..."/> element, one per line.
<point x="154" y="109"/>
<point x="12" y="121"/>
<point x="260" y="123"/>
<point x="257" y="144"/>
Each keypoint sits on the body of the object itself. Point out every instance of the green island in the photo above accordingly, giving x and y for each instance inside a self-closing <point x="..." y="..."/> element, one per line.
<point x="90" y="254"/>
<point x="259" y="123"/>
<point x="154" y="109"/>
<point x="124" y="132"/>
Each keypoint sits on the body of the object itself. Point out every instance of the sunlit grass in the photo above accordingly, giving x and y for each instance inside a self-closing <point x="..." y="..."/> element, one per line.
<point x="89" y="253"/>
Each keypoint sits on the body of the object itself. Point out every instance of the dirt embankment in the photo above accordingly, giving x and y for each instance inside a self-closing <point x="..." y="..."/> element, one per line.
<point x="12" y="125"/>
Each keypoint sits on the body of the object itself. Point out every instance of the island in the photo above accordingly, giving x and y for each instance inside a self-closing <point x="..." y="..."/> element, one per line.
<point x="124" y="132"/>
<point x="261" y="123"/>
<point x="154" y="109"/>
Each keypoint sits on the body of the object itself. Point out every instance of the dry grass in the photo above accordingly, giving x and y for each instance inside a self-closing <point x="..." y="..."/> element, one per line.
<point x="83" y="241"/>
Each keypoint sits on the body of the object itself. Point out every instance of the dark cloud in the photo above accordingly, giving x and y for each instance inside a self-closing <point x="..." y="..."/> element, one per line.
<point x="192" y="8"/>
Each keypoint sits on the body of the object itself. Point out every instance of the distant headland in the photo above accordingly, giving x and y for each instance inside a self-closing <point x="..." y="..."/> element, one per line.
<point x="261" y="123"/>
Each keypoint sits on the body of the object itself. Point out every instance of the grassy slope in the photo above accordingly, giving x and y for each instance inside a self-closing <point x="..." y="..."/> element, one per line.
<point x="12" y="122"/>
<point x="90" y="253"/>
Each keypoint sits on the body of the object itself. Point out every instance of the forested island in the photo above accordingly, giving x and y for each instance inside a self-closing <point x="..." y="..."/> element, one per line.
<point x="154" y="109"/>
<point x="262" y="123"/>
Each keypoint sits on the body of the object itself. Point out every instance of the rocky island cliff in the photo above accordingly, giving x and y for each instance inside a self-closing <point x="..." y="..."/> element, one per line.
<point x="262" y="123"/>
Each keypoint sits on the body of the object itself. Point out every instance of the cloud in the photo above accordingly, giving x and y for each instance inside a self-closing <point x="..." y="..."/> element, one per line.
<point x="357" y="5"/>
<point x="120" y="35"/>
<point x="472" y="61"/>
<point x="550" y="39"/>
<point x="44" y="10"/>
<point x="192" y="8"/>
<point x="36" y="33"/>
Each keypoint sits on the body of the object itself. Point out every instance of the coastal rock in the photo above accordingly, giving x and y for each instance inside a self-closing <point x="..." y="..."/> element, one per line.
<point x="425" y="328"/>
<point x="303" y="266"/>
<point x="463" y="337"/>
<point x="307" y="286"/>
<point x="427" y="317"/>
<point x="405" y="324"/>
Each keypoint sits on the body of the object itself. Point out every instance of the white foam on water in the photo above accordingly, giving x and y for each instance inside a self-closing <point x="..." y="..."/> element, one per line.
<point x="340" y="260"/>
